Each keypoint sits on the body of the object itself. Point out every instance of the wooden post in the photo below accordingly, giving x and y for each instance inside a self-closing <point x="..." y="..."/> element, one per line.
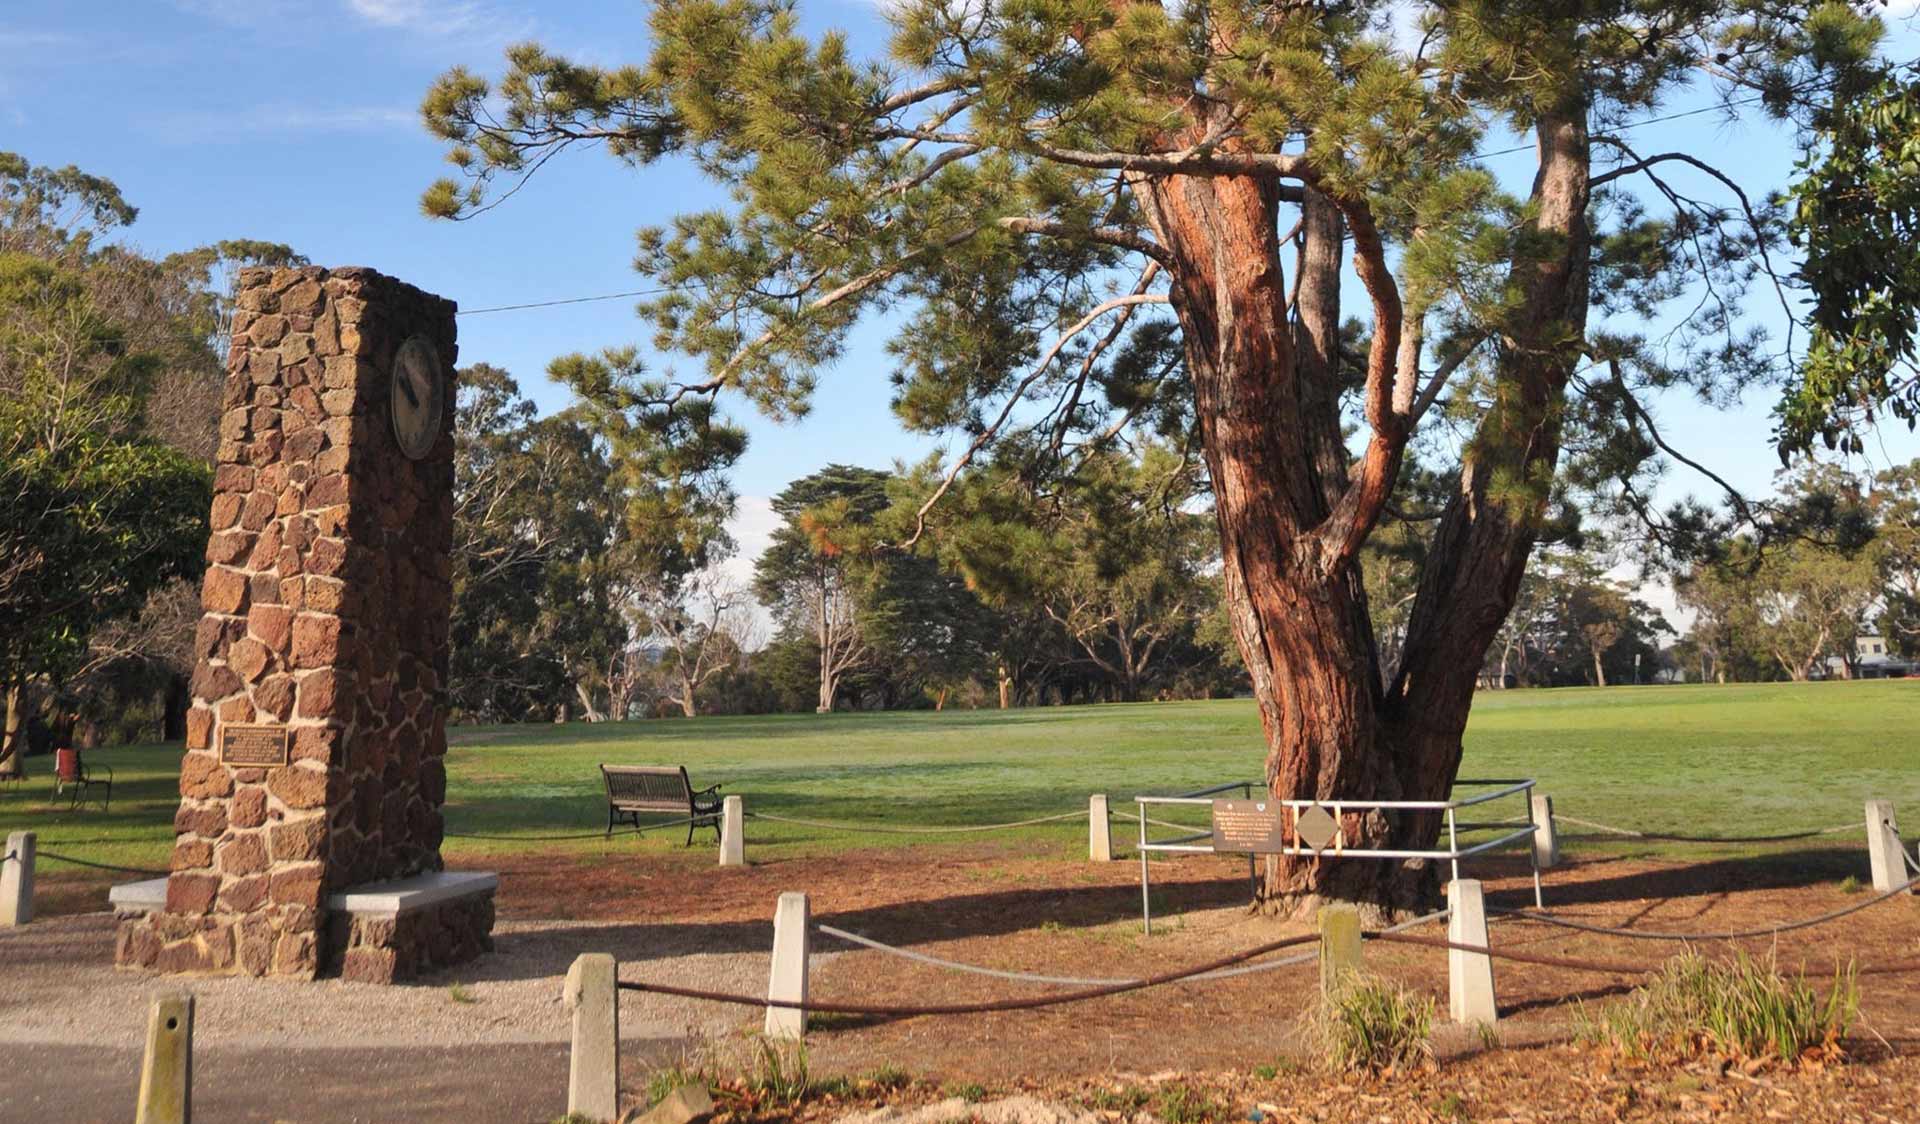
<point x="166" y="1073"/>
<point x="788" y="979"/>
<point x="1885" y="852"/>
<point x="1546" y="837"/>
<point x="16" y="880"/>
<point x="1470" y="996"/>
<point x="733" y="840"/>
<point x="593" y="1072"/>
<point x="1339" y="947"/>
<point x="1099" y="830"/>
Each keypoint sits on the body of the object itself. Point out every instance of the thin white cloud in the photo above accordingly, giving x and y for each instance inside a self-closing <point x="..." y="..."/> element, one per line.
<point x="289" y="118"/>
<point x="23" y="39"/>
<point x="752" y="526"/>
<point x="449" y="19"/>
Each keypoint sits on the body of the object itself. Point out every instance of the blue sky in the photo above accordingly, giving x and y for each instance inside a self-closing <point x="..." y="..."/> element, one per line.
<point x="294" y="121"/>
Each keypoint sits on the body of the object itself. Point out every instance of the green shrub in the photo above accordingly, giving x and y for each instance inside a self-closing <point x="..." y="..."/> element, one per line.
<point x="780" y="1071"/>
<point x="662" y="1082"/>
<point x="888" y="1078"/>
<point x="1182" y="1104"/>
<point x="1371" y="1024"/>
<point x="1742" y="1008"/>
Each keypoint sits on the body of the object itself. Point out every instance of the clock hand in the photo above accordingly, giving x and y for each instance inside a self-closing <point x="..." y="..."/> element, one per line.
<point x="406" y="387"/>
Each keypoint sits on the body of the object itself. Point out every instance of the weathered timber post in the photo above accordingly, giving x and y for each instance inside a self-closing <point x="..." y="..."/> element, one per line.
<point x="16" y="880"/>
<point x="1470" y="995"/>
<point x="1885" y="852"/>
<point x="1339" y="947"/>
<point x="593" y="1071"/>
<point x="166" y="1072"/>
<point x="788" y="979"/>
<point x="733" y="841"/>
<point x="1546" y="836"/>
<point x="1099" y="830"/>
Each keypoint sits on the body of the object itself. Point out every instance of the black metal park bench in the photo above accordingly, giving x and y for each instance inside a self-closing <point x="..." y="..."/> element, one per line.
<point x="657" y="790"/>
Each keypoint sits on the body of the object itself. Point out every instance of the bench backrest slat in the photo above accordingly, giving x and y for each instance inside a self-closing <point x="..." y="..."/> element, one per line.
<point x="648" y="787"/>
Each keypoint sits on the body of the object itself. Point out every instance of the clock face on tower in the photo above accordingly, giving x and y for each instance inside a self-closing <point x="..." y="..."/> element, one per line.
<point x="419" y="397"/>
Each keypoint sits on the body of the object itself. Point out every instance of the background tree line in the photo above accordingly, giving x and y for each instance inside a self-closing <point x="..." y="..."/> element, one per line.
<point x="110" y="388"/>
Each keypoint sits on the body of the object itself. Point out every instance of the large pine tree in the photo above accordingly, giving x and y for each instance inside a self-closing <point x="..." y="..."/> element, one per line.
<point x="1088" y="215"/>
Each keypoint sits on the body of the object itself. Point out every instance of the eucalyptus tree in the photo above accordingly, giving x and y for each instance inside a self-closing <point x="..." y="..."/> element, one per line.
<point x="1086" y="217"/>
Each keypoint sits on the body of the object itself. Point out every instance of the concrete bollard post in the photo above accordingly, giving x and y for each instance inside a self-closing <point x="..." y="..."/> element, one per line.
<point x="1099" y="830"/>
<point x="1470" y="996"/>
<point x="1339" y="947"/>
<point x="733" y="834"/>
<point x="1884" y="850"/>
<point x="593" y="1073"/>
<point x="1546" y="837"/>
<point x="788" y="979"/>
<point x="16" y="880"/>
<point x="166" y="1072"/>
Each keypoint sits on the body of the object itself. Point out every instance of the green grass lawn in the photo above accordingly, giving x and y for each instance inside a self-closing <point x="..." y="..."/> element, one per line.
<point x="1704" y="760"/>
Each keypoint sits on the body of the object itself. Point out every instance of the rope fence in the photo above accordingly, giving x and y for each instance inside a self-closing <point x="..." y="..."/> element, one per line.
<point x="1730" y="935"/>
<point x="1072" y="981"/>
<point x="1025" y="1003"/>
<point x="58" y="857"/>
<point x="1225" y="967"/>
<point x="892" y="829"/>
<point x="1669" y="837"/>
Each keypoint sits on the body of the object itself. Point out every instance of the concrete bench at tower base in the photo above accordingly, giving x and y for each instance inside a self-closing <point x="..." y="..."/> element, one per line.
<point x="381" y="932"/>
<point x="129" y="899"/>
<point x="388" y="931"/>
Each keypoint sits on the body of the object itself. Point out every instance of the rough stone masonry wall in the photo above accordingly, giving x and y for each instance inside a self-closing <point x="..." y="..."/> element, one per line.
<point x="327" y="595"/>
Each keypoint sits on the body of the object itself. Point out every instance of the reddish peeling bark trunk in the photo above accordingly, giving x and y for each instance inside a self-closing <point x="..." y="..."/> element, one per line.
<point x="1267" y="396"/>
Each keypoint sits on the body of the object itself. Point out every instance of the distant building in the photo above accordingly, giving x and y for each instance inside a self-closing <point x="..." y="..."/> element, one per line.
<point x="1873" y="658"/>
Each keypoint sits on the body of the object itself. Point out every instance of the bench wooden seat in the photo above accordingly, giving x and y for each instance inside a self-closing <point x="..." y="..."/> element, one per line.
<point x="659" y="790"/>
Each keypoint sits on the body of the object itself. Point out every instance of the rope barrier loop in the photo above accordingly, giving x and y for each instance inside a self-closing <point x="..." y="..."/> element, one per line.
<point x="1668" y="837"/>
<point x="888" y="829"/>
<point x="1732" y="935"/>
<point x="58" y="857"/>
<point x="983" y="1007"/>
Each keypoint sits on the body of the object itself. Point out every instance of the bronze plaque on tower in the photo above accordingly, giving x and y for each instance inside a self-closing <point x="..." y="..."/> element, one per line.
<point x="254" y="746"/>
<point x="1249" y="827"/>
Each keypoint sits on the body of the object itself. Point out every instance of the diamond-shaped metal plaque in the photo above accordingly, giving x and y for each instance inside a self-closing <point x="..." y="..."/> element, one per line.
<point x="1316" y="827"/>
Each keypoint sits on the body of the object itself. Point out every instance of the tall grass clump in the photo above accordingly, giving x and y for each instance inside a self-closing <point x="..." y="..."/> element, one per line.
<point x="1373" y="1025"/>
<point x="1741" y="1008"/>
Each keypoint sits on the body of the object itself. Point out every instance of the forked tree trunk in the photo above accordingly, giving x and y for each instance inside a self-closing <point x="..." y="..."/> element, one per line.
<point x="1268" y="410"/>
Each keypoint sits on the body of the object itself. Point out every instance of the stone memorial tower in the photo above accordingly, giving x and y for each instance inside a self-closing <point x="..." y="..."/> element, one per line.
<point x="308" y="835"/>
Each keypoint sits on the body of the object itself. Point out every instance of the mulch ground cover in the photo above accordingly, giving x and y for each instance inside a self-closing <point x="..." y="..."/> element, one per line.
<point x="1004" y="908"/>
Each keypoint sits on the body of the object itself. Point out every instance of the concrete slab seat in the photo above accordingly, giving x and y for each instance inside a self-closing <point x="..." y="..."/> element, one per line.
<point x="381" y="932"/>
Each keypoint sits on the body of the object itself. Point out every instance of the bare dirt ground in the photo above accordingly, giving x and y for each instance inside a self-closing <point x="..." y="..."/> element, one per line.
<point x="70" y="1025"/>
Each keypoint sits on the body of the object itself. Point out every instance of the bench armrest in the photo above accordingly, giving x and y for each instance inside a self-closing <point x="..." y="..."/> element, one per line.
<point x="712" y="788"/>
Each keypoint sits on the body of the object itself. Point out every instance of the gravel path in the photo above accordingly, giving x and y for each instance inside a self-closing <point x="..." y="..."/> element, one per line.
<point x="58" y="987"/>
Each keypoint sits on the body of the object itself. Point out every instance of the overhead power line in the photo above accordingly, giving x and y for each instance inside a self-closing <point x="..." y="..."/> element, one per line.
<point x="566" y="300"/>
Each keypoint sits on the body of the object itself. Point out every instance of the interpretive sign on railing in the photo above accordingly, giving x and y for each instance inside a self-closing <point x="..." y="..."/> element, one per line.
<point x="1249" y="827"/>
